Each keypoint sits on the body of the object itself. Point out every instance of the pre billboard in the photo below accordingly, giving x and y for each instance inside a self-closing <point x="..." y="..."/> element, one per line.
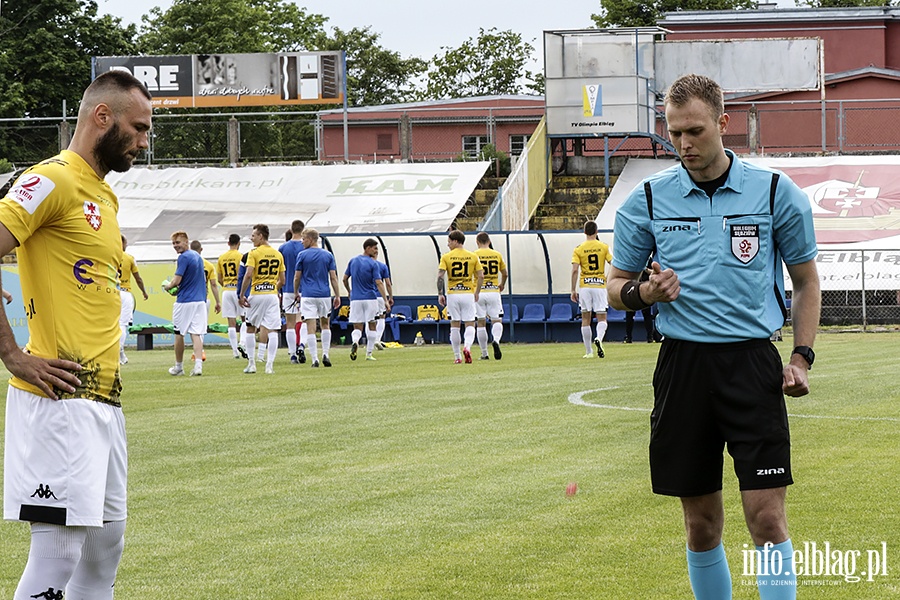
<point x="206" y="80"/>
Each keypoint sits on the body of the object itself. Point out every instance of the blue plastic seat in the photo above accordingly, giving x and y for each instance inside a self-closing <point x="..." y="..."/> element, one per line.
<point x="533" y="313"/>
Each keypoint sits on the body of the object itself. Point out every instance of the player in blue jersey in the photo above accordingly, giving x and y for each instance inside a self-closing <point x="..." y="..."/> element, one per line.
<point x="365" y="273"/>
<point x="315" y="269"/>
<point x="189" y="314"/>
<point x="383" y="308"/>
<point x="290" y="302"/>
<point x="720" y="229"/>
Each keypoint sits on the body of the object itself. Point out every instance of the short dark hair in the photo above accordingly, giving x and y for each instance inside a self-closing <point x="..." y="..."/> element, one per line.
<point x="590" y="228"/>
<point x="696" y="86"/>
<point x="195" y="246"/>
<point x="297" y="226"/>
<point x="120" y="79"/>
<point x="369" y="243"/>
<point x="263" y="230"/>
<point x="234" y="239"/>
<point x="483" y="238"/>
<point x="457" y="236"/>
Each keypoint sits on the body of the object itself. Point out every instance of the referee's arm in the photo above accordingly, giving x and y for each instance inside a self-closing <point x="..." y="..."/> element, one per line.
<point x="806" y="305"/>
<point x="663" y="286"/>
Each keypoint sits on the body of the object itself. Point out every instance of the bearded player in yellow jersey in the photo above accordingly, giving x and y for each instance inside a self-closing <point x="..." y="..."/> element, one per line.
<point x="127" y="271"/>
<point x="465" y="276"/>
<point x="489" y="304"/>
<point x="589" y="286"/>
<point x="227" y="274"/>
<point x="264" y="277"/>
<point x="65" y="461"/>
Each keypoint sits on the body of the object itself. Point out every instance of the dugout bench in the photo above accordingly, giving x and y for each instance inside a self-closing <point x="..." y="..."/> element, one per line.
<point x="145" y="333"/>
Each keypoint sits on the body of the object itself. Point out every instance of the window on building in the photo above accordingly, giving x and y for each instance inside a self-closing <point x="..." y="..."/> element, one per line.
<point x="472" y="144"/>
<point x="386" y="141"/>
<point x="517" y="143"/>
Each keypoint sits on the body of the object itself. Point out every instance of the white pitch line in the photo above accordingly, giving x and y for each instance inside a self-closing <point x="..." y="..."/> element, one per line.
<point x="577" y="398"/>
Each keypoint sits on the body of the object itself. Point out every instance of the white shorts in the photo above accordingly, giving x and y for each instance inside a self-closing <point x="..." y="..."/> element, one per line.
<point x="190" y="318"/>
<point x="363" y="311"/>
<point x="231" y="308"/>
<point x="126" y="317"/>
<point x="592" y="300"/>
<point x="461" y="307"/>
<point x="488" y="305"/>
<point x="382" y="307"/>
<point x="65" y="462"/>
<point x="287" y="303"/>
<point x="315" y="308"/>
<point x="264" y="311"/>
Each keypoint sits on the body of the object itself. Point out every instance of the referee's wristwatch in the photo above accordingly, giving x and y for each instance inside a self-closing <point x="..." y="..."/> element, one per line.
<point x="807" y="353"/>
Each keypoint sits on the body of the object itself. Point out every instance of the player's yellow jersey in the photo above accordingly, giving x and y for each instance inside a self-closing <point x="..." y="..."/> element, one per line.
<point x="127" y="268"/>
<point x="70" y="248"/>
<point x="461" y="266"/>
<point x="267" y="263"/>
<point x="492" y="262"/>
<point x="227" y="269"/>
<point x="210" y="270"/>
<point x="592" y="255"/>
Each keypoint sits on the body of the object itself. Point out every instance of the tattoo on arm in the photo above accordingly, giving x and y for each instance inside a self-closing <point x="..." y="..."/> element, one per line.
<point x="440" y="285"/>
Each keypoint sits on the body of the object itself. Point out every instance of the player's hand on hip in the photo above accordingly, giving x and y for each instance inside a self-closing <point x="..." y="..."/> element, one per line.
<point x="663" y="285"/>
<point x="45" y="373"/>
<point x="795" y="381"/>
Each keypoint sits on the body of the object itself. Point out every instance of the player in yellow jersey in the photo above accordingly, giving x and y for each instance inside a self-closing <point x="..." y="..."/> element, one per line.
<point x="65" y="467"/>
<point x="227" y="275"/>
<point x="465" y="276"/>
<point x="127" y="271"/>
<point x="489" y="304"/>
<point x="589" y="286"/>
<point x="264" y="277"/>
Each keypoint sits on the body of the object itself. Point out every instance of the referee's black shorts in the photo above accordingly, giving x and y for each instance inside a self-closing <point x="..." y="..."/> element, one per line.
<point x="707" y="396"/>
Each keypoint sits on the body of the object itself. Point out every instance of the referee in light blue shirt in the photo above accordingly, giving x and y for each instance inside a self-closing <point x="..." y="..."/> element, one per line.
<point x="720" y="229"/>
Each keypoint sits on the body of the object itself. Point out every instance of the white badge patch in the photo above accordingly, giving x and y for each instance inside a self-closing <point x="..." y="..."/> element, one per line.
<point x="745" y="242"/>
<point x="30" y="190"/>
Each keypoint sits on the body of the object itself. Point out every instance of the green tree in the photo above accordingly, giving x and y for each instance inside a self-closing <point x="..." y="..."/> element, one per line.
<point x="639" y="13"/>
<point x="493" y="63"/>
<point x="375" y="75"/>
<point x="45" y="58"/>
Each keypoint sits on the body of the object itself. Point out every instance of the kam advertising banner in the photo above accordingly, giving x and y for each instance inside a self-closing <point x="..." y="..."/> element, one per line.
<point x="209" y="80"/>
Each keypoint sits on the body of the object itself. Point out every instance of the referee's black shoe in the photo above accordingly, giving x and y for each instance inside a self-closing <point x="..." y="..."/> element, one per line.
<point x="497" y="354"/>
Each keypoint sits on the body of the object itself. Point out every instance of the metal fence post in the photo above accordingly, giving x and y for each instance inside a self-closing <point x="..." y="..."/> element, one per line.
<point x="234" y="141"/>
<point x="862" y="268"/>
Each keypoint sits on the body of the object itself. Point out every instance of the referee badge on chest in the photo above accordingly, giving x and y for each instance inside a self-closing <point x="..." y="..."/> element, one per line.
<point x="745" y="242"/>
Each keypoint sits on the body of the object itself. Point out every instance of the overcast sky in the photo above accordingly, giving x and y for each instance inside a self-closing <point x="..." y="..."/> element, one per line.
<point x="418" y="27"/>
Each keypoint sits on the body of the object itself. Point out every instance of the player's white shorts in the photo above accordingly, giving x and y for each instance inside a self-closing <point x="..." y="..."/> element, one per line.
<point x="382" y="307"/>
<point x="264" y="311"/>
<point x="231" y="308"/>
<point x="126" y="317"/>
<point x="315" y="308"/>
<point x="363" y="311"/>
<point x="488" y="305"/>
<point x="65" y="462"/>
<point x="288" y="305"/>
<point x="461" y="307"/>
<point x="190" y="317"/>
<point x="592" y="300"/>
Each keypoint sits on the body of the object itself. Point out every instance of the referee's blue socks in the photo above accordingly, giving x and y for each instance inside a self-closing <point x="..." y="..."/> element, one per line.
<point x="777" y="579"/>
<point x="709" y="574"/>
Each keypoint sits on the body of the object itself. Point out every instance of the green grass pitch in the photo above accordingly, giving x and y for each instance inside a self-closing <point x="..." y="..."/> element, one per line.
<point x="414" y="478"/>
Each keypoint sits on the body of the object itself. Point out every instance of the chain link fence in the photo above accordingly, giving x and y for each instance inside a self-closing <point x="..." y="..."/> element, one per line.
<point x="859" y="287"/>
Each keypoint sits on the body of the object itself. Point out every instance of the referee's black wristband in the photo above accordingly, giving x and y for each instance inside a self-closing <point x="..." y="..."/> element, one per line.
<point x="631" y="296"/>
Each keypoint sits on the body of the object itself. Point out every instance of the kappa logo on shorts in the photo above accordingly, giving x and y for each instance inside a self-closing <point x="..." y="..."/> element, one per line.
<point x="50" y="594"/>
<point x="745" y="242"/>
<point x="44" y="492"/>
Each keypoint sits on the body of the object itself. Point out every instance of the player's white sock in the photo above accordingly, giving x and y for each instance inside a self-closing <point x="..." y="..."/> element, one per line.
<point x="326" y="342"/>
<point x="469" y="337"/>
<point x="243" y="336"/>
<point x="370" y="341"/>
<point x="311" y="348"/>
<point x="481" y="333"/>
<point x="100" y="556"/>
<point x="233" y="340"/>
<point x="601" y="330"/>
<point x="455" y="340"/>
<point x="198" y="362"/>
<point x="291" y="336"/>
<point x="263" y="344"/>
<point x="250" y="346"/>
<point x="497" y="330"/>
<point x="304" y="331"/>
<point x="54" y="554"/>
<point x="356" y="335"/>
<point x="586" y="338"/>
<point x="178" y="365"/>
<point x="379" y="329"/>
<point x="271" y="348"/>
